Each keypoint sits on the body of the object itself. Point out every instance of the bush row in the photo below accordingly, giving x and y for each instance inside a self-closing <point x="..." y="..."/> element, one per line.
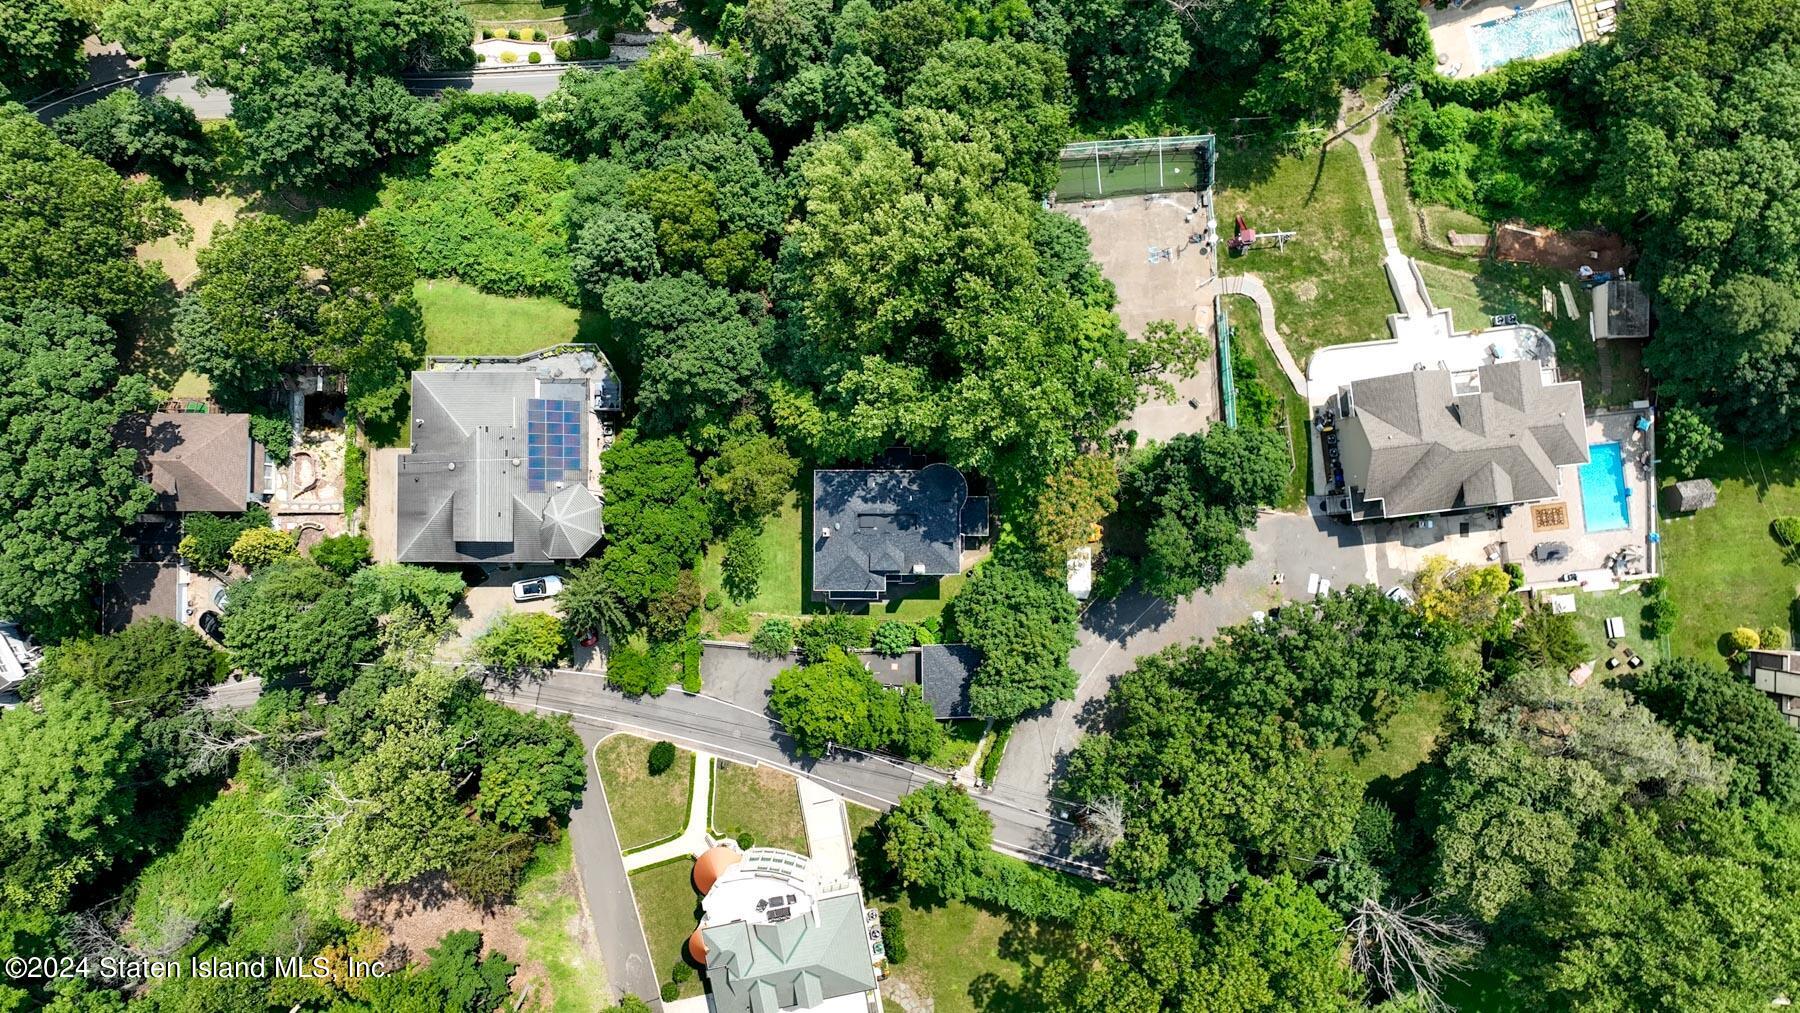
<point x="1026" y="889"/>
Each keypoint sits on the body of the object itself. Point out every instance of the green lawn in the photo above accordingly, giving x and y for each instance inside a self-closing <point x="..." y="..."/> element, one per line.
<point x="1328" y="284"/>
<point x="1592" y="611"/>
<point x="963" y="738"/>
<point x="783" y="537"/>
<point x="923" y="600"/>
<point x="645" y="809"/>
<point x="761" y="800"/>
<point x="1724" y="568"/>
<point x="669" y="908"/>
<point x="550" y="921"/>
<point x="861" y="818"/>
<point x="1406" y="741"/>
<point x="460" y="320"/>
<point x="967" y="958"/>
<point x="1247" y="336"/>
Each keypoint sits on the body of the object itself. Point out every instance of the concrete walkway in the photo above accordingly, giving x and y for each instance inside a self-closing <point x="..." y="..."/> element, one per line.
<point x="693" y="841"/>
<point x="1252" y="286"/>
<point x="827" y="831"/>
<point x="1397" y="264"/>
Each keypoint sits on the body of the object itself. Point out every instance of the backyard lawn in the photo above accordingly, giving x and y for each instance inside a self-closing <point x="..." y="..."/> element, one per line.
<point x="1406" y="741"/>
<point x="669" y="908"/>
<point x="1593" y="609"/>
<point x="1328" y="284"/>
<point x="645" y="809"/>
<point x="1724" y="568"/>
<point x="460" y="320"/>
<point x="923" y="600"/>
<point x="761" y="800"/>
<point x="967" y="958"/>
<point x="555" y="932"/>
<point x="1247" y="337"/>
<point x="779" y="592"/>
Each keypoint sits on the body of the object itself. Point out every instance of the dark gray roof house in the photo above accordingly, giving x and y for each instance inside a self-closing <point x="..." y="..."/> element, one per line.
<point x="1424" y="442"/>
<point x="197" y="461"/>
<point x="941" y="671"/>
<point x="500" y="468"/>
<point x="876" y="527"/>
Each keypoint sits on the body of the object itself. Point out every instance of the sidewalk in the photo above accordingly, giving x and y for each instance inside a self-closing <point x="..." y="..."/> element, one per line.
<point x="693" y="840"/>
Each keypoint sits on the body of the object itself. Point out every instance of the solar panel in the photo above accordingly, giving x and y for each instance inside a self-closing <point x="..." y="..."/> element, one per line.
<point x="552" y="442"/>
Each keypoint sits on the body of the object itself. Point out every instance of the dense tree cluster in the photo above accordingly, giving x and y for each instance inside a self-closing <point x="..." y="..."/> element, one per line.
<point x="834" y="700"/>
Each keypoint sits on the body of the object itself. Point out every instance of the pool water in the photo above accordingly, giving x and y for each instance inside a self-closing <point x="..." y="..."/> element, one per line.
<point x="1524" y="36"/>
<point x="1603" y="491"/>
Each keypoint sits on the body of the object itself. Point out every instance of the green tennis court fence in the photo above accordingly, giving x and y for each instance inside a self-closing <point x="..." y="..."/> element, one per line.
<point x="1090" y="170"/>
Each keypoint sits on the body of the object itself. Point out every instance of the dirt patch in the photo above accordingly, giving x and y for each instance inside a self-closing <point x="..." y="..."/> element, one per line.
<point x="204" y="216"/>
<point x="415" y="915"/>
<point x="1306" y="291"/>
<point x="1600" y="250"/>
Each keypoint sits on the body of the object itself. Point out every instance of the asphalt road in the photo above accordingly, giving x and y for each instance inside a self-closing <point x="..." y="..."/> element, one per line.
<point x="606" y="886"/>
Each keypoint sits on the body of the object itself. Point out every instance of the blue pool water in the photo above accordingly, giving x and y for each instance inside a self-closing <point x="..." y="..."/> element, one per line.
<point x="1603" y="492"/>
<point x="1524" y="36"/>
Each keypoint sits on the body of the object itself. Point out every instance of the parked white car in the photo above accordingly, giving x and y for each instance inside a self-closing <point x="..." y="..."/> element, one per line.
<point x="536" y="588"/>
<point x="1401" y="593"/>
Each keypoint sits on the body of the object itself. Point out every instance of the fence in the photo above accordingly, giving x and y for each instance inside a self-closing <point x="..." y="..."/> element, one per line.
<point x="1227" y="388"/>
<point x="1119" y="168"/>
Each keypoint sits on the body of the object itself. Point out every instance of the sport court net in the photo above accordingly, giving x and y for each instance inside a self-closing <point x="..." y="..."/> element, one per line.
<point x="1095" y="169"/>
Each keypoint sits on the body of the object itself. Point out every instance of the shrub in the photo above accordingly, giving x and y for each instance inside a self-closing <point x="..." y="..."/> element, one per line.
<point x="275" y="431"/>
<point x="1515" y="576"/>
<point x="990" y="761"/>
<point x="522" y="641"/>
<point x="893" y="935"/>
<point x="583" y="49"/>
<point x="1655" y="587"/>
<point x="480" y="57"/>
<point x="636" y="672"/>
<point x="207" y="538"/>
<point x="509" y="57"/>
<point x="1026" y="889"/>
<point x="746" y="839"/>
<point x="534" y="57"/>
<point x="602" y="49"/>
<point x="342" y="554"/>
<point x="734" y="620"/>
<point x="818" y="636"/>
<point x="893" y="637"/>
<point x="666" y="615"/>
<point x="682" y="971"/>
<point x="1772" y="637"/>
<point x="1659" y="617"/>
<point x="565" y="51"/>
<point x="513" y="34"/>
<point x="741" y="569"/>
<point x="1743" y="639"/>
<point x="1786" y="531"/>
<point x="662" y="757"/>
<point x="487" y="33"/>
<point x="670" y="991"/>
<point x="256" y="548"/>
<point x="712" y="601"/>
<point x="356" y="476"/>
<point x="690" y="665"/>
<point x="774" y="638"/>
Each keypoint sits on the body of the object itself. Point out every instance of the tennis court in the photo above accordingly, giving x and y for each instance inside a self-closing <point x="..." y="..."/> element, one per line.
<point x="1092" y="170"/>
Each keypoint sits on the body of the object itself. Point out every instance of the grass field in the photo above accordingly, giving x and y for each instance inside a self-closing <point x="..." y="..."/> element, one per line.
<point x="155" y="355"/>
<point x="554" y="929"/>
<point x="923" y="600"/>
<point x="761" y="800"/>
<point x="1247" y="337"/>
<point x="459" y="320"/>
<point x="669" y="907"/>
<point x="1724" y="568"/>
<point x="645" y="809"/>
<point x="779" y="592"/>
<point x="1327" y="284"/>
<point x="968" y="958"/>
<point x="1406" y="741"/>
<point x="1591" y="613"/>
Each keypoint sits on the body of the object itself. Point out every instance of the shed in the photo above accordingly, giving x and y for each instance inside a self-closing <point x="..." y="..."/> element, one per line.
<point x="1689" y="496"/>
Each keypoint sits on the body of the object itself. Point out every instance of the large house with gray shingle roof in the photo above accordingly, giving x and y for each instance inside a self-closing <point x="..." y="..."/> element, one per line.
<point x="1429" y="441"/>
<point x="198" y="461"/>
<point x="502" y="467"/>
<point x="873" y="529"/>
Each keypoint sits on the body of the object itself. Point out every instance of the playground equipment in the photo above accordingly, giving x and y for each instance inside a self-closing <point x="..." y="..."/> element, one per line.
<point x="1245" y="238"/>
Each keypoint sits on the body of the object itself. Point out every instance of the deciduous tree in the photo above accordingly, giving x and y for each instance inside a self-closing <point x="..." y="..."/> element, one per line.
<point x="1024" y="626"/>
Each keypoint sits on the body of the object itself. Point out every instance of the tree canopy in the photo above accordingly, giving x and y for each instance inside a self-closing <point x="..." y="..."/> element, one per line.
<point x="1024" y="626"/>
<point x="153" y="665"/>
<point x="835" y="701"/>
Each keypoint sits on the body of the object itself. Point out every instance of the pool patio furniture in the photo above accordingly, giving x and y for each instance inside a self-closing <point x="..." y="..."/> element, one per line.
<point x="1612" y="663"/>
<point x="1615" y="627"/>
<point x="1637" y="661"/>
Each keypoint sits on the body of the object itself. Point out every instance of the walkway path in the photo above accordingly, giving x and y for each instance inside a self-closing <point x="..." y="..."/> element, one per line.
<point x="693" y="840"/>
<point x="827" y="831"/>
<point x="1252" y="286"/>
<point x="1397" y="264"/>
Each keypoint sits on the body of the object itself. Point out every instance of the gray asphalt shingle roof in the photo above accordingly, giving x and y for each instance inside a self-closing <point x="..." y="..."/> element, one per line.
<point x="872" y="524"/>
<point x="945" y="671"/>
<point x="1414" y="444"/>
<point x="195" y="460"/>
<point x="803" y="962"/>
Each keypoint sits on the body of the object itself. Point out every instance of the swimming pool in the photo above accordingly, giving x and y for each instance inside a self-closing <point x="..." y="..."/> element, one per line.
<point x="1525" y="35"/>
<point x="1604" y="496"/>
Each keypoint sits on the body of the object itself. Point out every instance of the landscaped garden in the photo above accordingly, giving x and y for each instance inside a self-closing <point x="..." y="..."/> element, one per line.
<point x="646" y="808"/>
<point x="669" y="908"/>
<point x="1724" y="566"/>
<point x="760" y="801"/>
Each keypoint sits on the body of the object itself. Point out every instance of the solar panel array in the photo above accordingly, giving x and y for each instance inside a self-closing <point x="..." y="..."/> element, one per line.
<point x="553" y="441"/>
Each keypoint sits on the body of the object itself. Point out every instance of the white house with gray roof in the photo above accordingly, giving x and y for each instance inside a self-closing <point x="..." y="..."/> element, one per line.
<point x="503" y="465"/>
<point x="873" y="529"/>
<point x="1428" y="441"/>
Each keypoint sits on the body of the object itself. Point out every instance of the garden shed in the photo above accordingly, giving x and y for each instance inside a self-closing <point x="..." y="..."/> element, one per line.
<point x="1689" y="496"/>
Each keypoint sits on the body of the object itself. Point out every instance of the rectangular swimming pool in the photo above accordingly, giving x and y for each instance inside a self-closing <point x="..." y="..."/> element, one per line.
<point x="1525" y="35"/>
<point x="1604" y="495"/>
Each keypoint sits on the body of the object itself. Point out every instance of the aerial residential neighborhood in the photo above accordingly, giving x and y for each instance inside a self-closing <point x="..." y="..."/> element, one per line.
<point x="907" y="506"/>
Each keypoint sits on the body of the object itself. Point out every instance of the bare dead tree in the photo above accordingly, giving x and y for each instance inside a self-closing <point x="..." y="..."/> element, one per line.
<point x="323" y="815"/>
<point x="1407" y="946"/>
<point x="97" y="935"/>
<point x="1102" y="825"/>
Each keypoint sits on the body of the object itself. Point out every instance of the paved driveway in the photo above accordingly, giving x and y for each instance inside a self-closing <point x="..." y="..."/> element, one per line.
<point x="1115" y="634"/>
<point x="731" y="673"/>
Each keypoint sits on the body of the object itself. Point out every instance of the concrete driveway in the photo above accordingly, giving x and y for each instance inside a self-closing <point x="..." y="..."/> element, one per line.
<point x="1116" y="633"/>
<point x="733" y="674"/>
<point x="489" y="600"/>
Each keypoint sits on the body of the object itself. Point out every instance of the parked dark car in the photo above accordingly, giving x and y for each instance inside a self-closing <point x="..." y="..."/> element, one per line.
<point x="210" y="625"/>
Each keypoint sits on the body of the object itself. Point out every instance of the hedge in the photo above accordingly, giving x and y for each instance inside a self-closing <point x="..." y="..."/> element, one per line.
<point x="1028" y="890"/>
<point x="1515" y="80"/>
<point x="990" y="763"/>
<point x="565" y="51"/>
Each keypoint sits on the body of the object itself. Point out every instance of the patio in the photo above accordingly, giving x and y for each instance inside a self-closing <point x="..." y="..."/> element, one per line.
<point x="1458" y="54"/>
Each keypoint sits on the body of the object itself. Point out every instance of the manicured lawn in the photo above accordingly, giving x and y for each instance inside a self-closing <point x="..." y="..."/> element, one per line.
<point x="1591" y="613"/>
<point x="923" y="600"/>
<point x="459" y="320"/>
<point x="761" y="800"/>
<point x="783" y="537"/>
<point x="669" y="908"/>
<point x="1406" y="741"/>
<point x="645" y="809"/>
<point x="961" y="740"/>
<point x="1328" y="284"/>
<point x="967" y="958"/>
<point x="861" y="818"/>
<point x="1247" y="336"/>
<point x="551" y="922"/>
<point x="1724" y="568"/>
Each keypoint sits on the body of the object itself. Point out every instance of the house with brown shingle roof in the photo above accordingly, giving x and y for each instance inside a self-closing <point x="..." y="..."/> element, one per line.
<point x="198" y="461"/>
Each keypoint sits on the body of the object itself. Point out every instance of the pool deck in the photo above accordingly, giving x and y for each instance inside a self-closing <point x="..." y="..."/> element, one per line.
<point x="1404" y="544"/>
<point x="1456" y="55"/>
